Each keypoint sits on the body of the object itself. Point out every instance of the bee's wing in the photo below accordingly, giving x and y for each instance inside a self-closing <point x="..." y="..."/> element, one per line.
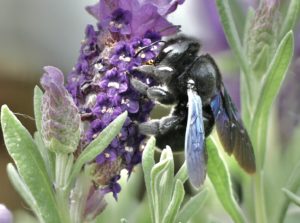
<point x="231" y="131"/>
<point x="195" y="153"/>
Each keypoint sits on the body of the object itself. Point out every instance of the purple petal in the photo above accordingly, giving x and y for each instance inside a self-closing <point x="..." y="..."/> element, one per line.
<point x="52" y="76"/>
<point x="103" y="9"/>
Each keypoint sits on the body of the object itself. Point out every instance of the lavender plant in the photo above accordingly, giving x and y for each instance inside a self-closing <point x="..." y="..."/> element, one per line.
<point x="87" y="128"/>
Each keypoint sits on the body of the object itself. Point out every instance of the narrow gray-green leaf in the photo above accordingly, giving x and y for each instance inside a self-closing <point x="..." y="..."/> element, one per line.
<point x="22" y="188"/>
<point x="292" y="185"/>
<point x="99" y="144"/>
<point x="147" y="163"/>
<point x="272" y="83"/>
<point x="47" y="155"/>
<point x="182" y="174"/>
<point x="231" y="33"/>
<point x="275" y="75"/>
<point x="291" y="17"/>
<point x="293" y="197"/>
<point x="157" y="173"/>
<point x="175" y="203"/>
<point x="192" y="206"/>
<point x="29" y="162"/>
<point x="245" y="78"/>
<point x="37" y="105"/>
<point x="166" y="181"/>
<point x="219" y="176"/>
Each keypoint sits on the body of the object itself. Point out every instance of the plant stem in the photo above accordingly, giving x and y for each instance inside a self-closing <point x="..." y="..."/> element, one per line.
<point x="61" y="164"/>
<point x="260" y="210"/>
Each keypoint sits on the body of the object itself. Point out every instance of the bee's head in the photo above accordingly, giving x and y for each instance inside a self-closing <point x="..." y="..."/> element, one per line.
<point x="181" y="51"/>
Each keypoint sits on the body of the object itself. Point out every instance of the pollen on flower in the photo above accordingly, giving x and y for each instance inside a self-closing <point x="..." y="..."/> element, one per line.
<point x="114" y="84"/>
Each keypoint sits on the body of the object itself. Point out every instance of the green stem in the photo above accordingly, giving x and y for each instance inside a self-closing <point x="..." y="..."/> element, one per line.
<point x="259" y="137"/>
<point x="61" y="165"/>
<point x="260" y="209"/>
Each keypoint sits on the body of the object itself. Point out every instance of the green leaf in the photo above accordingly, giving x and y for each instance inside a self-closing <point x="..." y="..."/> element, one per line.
<point x="192" y="206"/>
<point x="157" y="173"/>
<point x="293" y="197"/>
<point x="292" y="185"/>
<point x="182" y="174"/>
<point x="275" y="76"/>
<point x="147" y="163"/>
<point x="245" y="79"/>
<point x="29" y="162"/>
<point x="98" y="145"/>
<point x="37" y="107"/>
<point x="219" y="176"/>
<point x="270" y="88"/>
<point x="290" y="18"/>
<point x="22" y="188"/>
<point x="47" y="155"/>
<point x="166" y="180"/>
<point x="231" y="33"/>
<point x="175" y="203"/>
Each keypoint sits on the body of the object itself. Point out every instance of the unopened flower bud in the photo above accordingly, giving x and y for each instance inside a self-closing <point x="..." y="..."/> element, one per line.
<point x="95" y="203"/>
<point x="60" y="116"/>
<point x="263" y="36"/>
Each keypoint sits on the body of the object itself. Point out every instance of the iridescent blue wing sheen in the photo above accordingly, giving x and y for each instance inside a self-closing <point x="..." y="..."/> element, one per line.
<point x="231" y="131"/>
<point x="195" y="153"/>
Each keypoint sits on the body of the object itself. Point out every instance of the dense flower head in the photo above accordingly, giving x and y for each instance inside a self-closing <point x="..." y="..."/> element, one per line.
<point x="100" y="81"/>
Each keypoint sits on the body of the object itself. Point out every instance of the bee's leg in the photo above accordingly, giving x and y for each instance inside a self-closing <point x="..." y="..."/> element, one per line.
<point x="154" y="93"/>
<point x="139" y="86"/>
<point x="161" y="95"/>
<point x="160" y="126"/>
<point x="168" y="130"/>
<point x="160" y="73"/>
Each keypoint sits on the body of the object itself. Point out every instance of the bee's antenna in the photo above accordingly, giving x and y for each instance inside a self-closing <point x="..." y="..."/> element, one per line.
<point x="146" y="47"/>
<point x="169" y="27"/>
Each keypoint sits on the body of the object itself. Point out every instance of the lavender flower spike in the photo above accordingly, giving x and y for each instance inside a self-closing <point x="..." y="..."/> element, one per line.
<point x="100" y="82"/>
<point x="60" y="117"/>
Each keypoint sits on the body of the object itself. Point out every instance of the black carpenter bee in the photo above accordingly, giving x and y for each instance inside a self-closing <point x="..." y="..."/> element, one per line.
<point x="194" y="86"/>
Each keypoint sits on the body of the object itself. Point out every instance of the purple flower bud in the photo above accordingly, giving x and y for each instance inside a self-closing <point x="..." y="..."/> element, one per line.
<point x="5" y="215"/>
<point x="60" y="117"/>
<point x="95" y="203"/>
<point x="263" y="36"/>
